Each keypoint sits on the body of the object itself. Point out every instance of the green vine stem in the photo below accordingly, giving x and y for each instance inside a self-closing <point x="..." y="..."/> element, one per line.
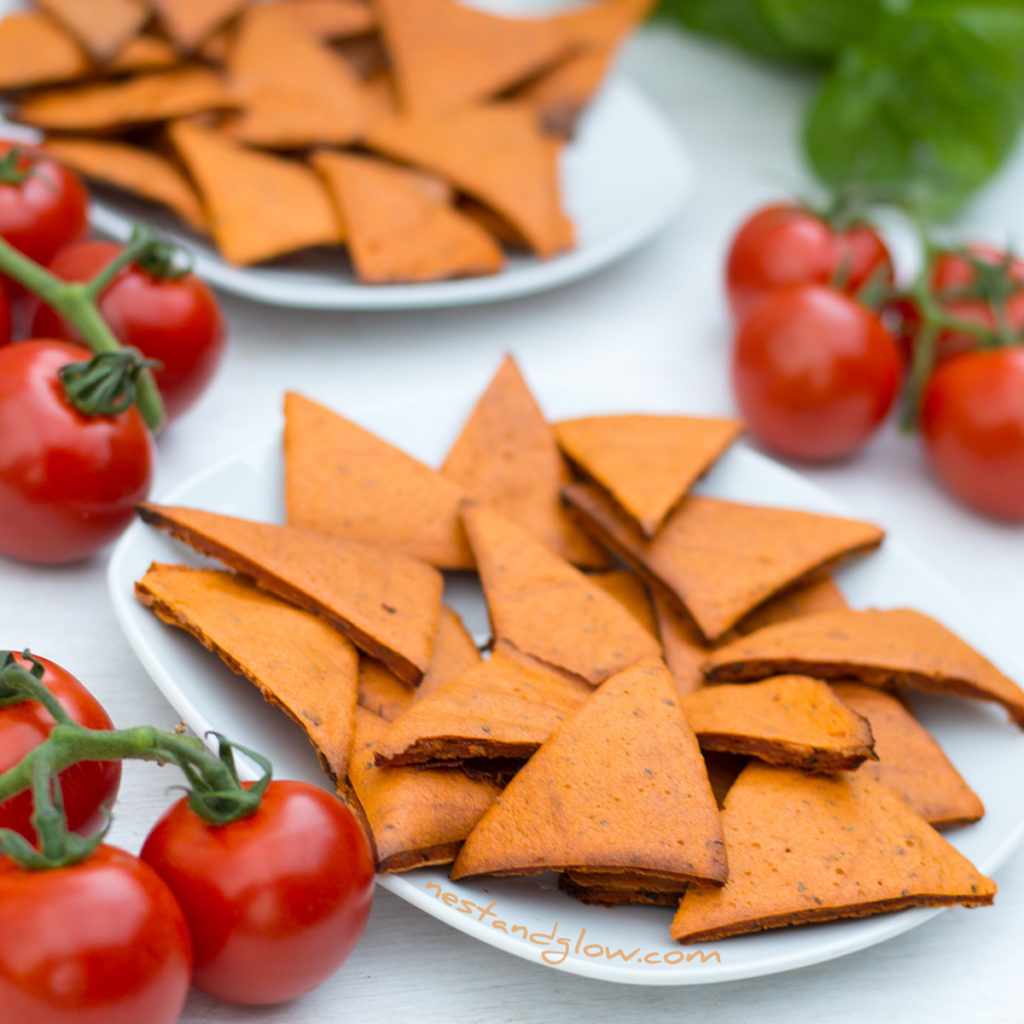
<point x="76" y="302"/>
<point x="216" y="793"/>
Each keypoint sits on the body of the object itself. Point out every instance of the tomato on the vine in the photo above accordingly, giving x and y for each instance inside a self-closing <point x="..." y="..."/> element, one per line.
<point x="173" y="318"/>
<point x="814" y="373"/>
<point x="275" y="901"/>
<point x="68" y="482"/>
<point x="101" y="942"/>
<point x="786" y="244"/>
<point x="88" y="787"/>
<point x="972" y="421"/>
<point x="43" y="204"/>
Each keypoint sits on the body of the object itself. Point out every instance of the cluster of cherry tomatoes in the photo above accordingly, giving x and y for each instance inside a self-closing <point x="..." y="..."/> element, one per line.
<point x="69" y="481"/>
<point x="256" y="911"/>
<point x="826" y="340"/>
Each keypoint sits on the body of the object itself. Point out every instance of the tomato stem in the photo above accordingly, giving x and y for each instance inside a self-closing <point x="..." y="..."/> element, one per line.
<point x="76" y="302"/>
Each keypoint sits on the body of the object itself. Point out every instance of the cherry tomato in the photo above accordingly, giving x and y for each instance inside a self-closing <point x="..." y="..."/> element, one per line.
<point x="68" y="482"/>
<point x="952" y="273"/>
<point x="102" y="942"/>
<point x="275" y="901"/>
<point x="87" y="787"/>
<point x="174" y="319"/>
<point x="972" y="421"/>
<point x="43" y="205"/>
<point x="787" y="244"/>
<point x="814" y="373"/>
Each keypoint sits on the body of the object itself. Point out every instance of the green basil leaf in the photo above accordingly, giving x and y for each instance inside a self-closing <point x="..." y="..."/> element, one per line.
<point x="823" y="28"/>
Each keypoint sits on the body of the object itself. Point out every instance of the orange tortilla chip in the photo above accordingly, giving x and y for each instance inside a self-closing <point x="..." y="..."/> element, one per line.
<point x="629" y="589"/>
<point x="500" y="708"/>
<point x="343" y="480"/>
<point x="612" y="888"/>
<point x="329" y="19"/>
<point x="299" y="663"/>
<point x="721" y="559"/>
<point x="386" y="603"/>
<point x="454" y="653"/>
<point x="646" y="463"/>
<point x="416" y="816"/>
<point x="294" y="91"/>
<point x="877" y="647"/>
<point x="546" y="608"/>
<point x="190" y="23"/>
<point x="498" y="155"/>
<point x="910" y="761"/>
<point x="684" y="647"/>
<point x="133" y="169"/>
<point x="807" y="848"/>
<point x="143" y="53"/>
<point x="619" y="786"/>
<point x="808" y="599"/>
<point x="447" y="56"/>
<point x="381" y="691"/>
<point x="786" y="720"/>
<point x="398" y="233"/>
<point x="258" y="206"/>
<point x="101" y="26"/>
<point x="35" y="50"/>
<point x="506" y="457"/>
<point x="143" y="99"/>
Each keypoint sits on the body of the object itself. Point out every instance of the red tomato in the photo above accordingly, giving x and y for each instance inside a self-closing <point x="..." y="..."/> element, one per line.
<point x="972" y="420"/>
<point x="87" y="787"/>
<point x="102" y="942"/>
<point x="68" y="482"/>
<point x="786" y="244"/>
<point x="952" y="273"/>
<point x="46" y="208"/>
<point x="176" y="320"/>
<point x="814" y="373"/>
<point x="275" y="901"/>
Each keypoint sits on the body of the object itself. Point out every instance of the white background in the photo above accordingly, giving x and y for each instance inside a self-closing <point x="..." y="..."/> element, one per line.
<point x="657" y="315"/>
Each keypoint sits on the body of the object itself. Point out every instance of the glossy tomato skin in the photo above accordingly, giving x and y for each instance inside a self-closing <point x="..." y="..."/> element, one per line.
<point x="814" y="374"/>
<point x="46" y="210"/>
<point x="276" y="901"/>
<point x="68" y="482"/>
<point x="102" y="942"/>
<point x="786" y="244"/>
<point x="972" y="421"/>
<point x="87" y="787"/>
<point x="175" y="320"/>
<point x="952" y="272"/>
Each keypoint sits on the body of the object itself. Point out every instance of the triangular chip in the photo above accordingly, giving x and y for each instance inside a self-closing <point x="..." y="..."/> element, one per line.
<point x="506" y="457"/>
<point x="502" y="708"/>
<point x="685" y="649"/>
<point x="35" y="50"/>
<point x="258" y="206"/>
<point x="328" y="19"/>
<point x="294" y="91"/>
<point x="101" y="26"/>
<point x="498" y="155"/>
<point x="819" y="847"/>
<point x="191" y="22"/>
<point x="611" y="888"/>
<point x="546" y="608"/>
<point x="143" y="99"/>
<point x="646" y="463"/>
<point x="341" y="479"/>
<point x="786" y="720"/>
<point x="454" y="653"/>
<point x="819" y="595"/>
<point x="298" y="661"/>
<point x="416" y="816"/>
<point x="447" y="55"/>
<point x="143" y="53"/>
<point x="386" y="603"/>
<point x="619" y="786"/>
<point x="133" y="169"/>
<point x="876" y="646"/>
<point x="629" y="589"/>
<point x="381" y="691"/>
<point x="397" y="232"/>
<point x="721" y="559"/>
<point x="910" y="761"/>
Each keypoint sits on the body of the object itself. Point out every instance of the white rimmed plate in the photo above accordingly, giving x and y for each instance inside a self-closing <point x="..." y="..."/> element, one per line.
<point x="529" y="917"/>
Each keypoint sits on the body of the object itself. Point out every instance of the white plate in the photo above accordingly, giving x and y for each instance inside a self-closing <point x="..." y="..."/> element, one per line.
<point x="551" y="928"/>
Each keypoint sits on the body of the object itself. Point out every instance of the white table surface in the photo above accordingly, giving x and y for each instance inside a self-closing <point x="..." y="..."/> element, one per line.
<point x="657" y="314"/>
